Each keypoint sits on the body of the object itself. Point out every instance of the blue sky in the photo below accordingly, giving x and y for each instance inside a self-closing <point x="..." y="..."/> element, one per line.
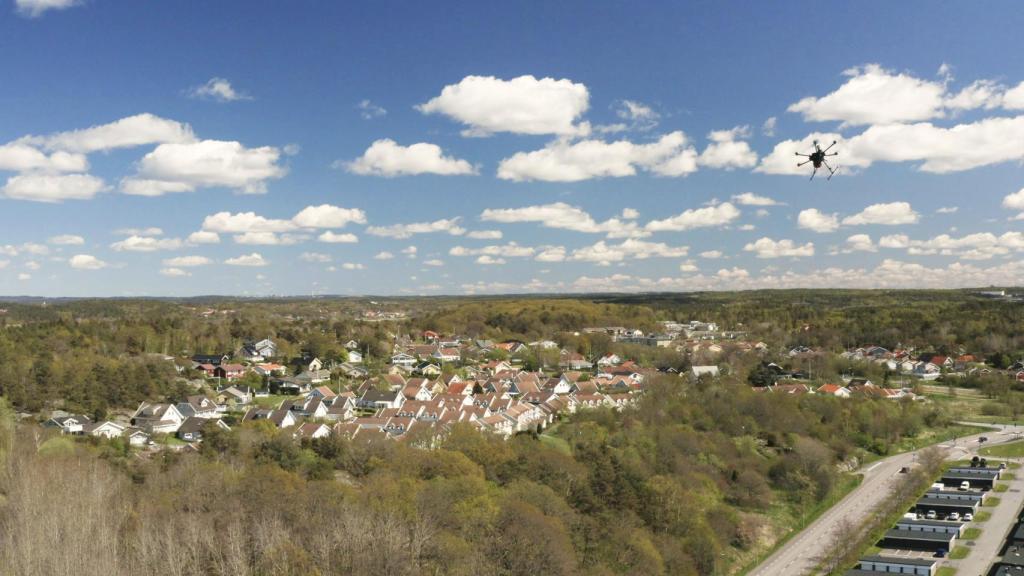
<point x="162" y="148"/>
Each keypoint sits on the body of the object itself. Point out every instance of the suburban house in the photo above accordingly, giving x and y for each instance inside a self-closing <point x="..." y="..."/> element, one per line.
<point x="355" y="357"/>
<point x="191" y="429"/>
<point x="232" y="397"/>
<point x="69" y="424"/>
<point x="212" y="359"/>
<point x="258" y="351"/>
<point x="198" y="406"/>
<point x="157" y="418"/>
<point x="280" y="418"/>
<point x="377" y="399"/>
<point x="403" y="359"/>
<point x="573" y="361"/>
<point x="105" y="429"/>
<point x="834" y="390"/>
<point x="229" y="372"/>
<point x="698" y="371"/>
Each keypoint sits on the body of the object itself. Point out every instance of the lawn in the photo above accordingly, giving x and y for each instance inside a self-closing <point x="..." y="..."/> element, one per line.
<point x="971" y="534"/>
<point x="946" y="571"/>
<point x="1008" y="450"/>
<point x="982" y="516"/>
<point x="272" y="401"/>
<point x="555" y="442"/>
<point x="959" y="553"/>
<point x="1001" y="488"/>
<point x="991" y="502"/>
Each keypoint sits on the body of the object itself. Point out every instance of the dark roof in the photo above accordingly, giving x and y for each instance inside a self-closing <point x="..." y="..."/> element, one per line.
<point x="374" y="395"/>
<point x="947" y="503"/>
<point x="916" y="522"/>
<point x="897" y="534"/>
<point x="192" y="424"/>
<point x="895" y="560"/>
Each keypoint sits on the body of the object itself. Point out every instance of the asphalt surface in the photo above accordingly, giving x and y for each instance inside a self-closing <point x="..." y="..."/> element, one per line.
<point x="802" y="552"/>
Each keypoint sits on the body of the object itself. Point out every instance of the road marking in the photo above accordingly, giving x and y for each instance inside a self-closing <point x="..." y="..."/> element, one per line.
<point x="876" y="465"/>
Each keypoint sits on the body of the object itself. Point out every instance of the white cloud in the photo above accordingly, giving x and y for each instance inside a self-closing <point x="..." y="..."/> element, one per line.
<point x="768" y="128"/>
<point x="67" y="240"/>
<point x="52" y="188"/>
<point x="727" y="150"/>
<point x="129" y="132"/>
<point x="184" y="167"/>
<point x="565" y="217"/>
<point x="710" y="216"/>
<point x="33" y="248"/>
<point x="36" y="8"/>
<point x="630" y="213"/>
<point x="150" y="231"/>
<point x="86" y="262"/>
<point x="368" y="110"/>
<point x="1014" y="201"/>
<point x="203" y="237"/>
<point x="434" y="262"/>
<point x="1013" y="99"/>
<point x="939" y="150"/>
<point x="523" y="105"/>
<point x="980" y="94"/>
<point x="400" y="231"/>
<point x="328" y="216"/>
<point x="688" y="267"/>
<point x="947" y="210"/>
<point x="20" y="157"/>
<point x="894" y="241"/>
<point x="410" y="251"/>
<point x="187" y="261"/>
<point x="24" y="276"/>
<point x="511" y="250"/>
<point x="32" y="265"/>
<point x="751" y="199"/>
<point x="254" y="259"/>
<point x="146" y="244"/>
<point x="814" y="219"/>
<point x="218" y="89"/>
<point x="551" y="254"/>
<point x="244" y="222"/>
<point x="485" y="235"/>
<point x="711" y="254"/>
<point x="389" y="159"/>
<point x="174" y="272"/>
<point x="329" y="237"/>
<point x="489" y="260"/>
<point x="977" y="246"/>
<point x="269" y="239"/>
<point x="565" y="161"/>
<point x="768" y="248"/>
<point x="890" y="214"/>
<point x="384" y="255"/>
<point x="314" y="257"/>
<point x="640" y="116"/>
<point x="603" y="253"/>
<point x="874" y="95"/>
<point x="352" y="266"/>
<point x="860" y="243"/>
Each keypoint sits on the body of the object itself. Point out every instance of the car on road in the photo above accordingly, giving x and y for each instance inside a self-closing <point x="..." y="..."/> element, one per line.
<point x="965" y="486"/>
<point x="953" y="516"/>
<point x="983" y="439"/>
<point x="931" y="515"/>
<point x="968" y="517"/>
<point x="1002" y="465"/>
<point x="940" y="553"/>
<point x="904" y="470"/>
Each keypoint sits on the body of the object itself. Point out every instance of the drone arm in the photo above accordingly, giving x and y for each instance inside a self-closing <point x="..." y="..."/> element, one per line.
<point x="829" y="146"/>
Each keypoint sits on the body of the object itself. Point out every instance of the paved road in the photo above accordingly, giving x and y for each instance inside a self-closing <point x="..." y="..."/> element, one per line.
<point x="801" y="554"/>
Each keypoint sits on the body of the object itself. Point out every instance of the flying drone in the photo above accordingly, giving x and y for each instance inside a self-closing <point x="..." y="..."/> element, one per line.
<point x="817" y="159"/>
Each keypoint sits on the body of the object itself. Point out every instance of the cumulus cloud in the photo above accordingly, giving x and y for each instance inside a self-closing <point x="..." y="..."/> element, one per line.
<point x="352" y="266"/>
<point x="146" y="244"/>
<point x="629" y="249"/>
<point x="707" y="217"/>
<point x="485" y="234"/>
<point x="203" y="237"/>
<point x="511" y="250"/>
<point x="368" y="110"/>
<point x="400" y="231"/>
<point x="565" y="217"/>
<point x="218" y="89"/>
<point x="187" y="261"/>
<point x="860" y="243"/>
<point x="947" y="210"/>
<point x="751" y="199"/>
<point x="814" y="219"/>
<point x="434" y="262"/>
<point x="328" y="216"/>
<point x="36" y="8"/>
<point x="52" y="188"/>
<point x="768" y="248"/>
<point x="174" y="272"/>
<point x="86" y="262"/>
<point x="269" y="239"/>
<point x="890" y="214"/>
<point x="184" y="167"/>
<point x="314" y="257"/>
<point x="329" y="237"/>
<point x="148" y="231"/>
<point x="384" y="255"/>
<point x="728" y="150"/>
<point x="1014" y="201"/>
<point x="489" y="260"/>
<point x="129" y="132"/>
<point x="243" y="222"/>
<point x="711" y="254"/>
<point x="523" y="105"/>
<point x="977" y="246"/>
<point x="389" y="159"/>
<point x="67" y="240"/>
<point x="254" y="259"/>
<point x="873" y="95"/>
<point x="20" y="157"/>
<point x="574" y="161"/>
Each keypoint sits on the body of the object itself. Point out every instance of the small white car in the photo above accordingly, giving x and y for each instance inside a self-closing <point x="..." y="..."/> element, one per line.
<point x="968" y="517"/>
<point x="953" y="516"/>
<point x="965" y="486"/>
<point x="931" y="515"/>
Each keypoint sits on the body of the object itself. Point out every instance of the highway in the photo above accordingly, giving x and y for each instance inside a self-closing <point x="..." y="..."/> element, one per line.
<point x="801" y="554"/>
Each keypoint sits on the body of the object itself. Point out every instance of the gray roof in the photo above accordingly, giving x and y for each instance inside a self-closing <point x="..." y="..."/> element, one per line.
<point x="895" y="560"/>
<point x="920" y="535"/>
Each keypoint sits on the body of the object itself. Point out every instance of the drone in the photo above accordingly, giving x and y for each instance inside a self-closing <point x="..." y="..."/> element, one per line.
<point x="817" y="158"/>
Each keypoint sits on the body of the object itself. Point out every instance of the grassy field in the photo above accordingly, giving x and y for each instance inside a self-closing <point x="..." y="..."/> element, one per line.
<point x="982" y="516"/>
<point x="991" y="502"/>
<point x="946" y="571"/>
<point x="1008" y="450"/>
<point x="959" y="553"/>
<point x="272" y="401"/>
<point x="971" y="534"/>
